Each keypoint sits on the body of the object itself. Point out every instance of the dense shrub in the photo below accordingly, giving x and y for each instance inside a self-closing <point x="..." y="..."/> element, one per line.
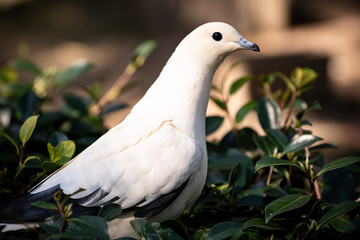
<point x="270" y="186"/>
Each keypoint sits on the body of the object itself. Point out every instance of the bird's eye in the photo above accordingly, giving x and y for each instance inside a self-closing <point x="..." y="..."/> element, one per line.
<point x="217" y="36"/>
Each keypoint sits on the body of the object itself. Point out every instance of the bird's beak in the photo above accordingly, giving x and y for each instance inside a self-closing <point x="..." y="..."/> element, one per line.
<point x="245" y="44"/>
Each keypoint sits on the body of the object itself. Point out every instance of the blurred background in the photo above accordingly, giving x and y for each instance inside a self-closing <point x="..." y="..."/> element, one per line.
<point x="323" y="35"/>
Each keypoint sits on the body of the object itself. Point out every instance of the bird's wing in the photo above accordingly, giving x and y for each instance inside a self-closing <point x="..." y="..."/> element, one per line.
<point x="130" y="169"/>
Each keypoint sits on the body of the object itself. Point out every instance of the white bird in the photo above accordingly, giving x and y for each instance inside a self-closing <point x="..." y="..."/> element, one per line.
<point x="154" y="163"/>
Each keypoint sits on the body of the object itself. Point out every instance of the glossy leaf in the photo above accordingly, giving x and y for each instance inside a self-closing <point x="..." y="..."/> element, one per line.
<point x="284" y="204"/>
<point x="110" y="211"/>
<point x="238" y="84"/>
<point x="213" y="123"/>
<point x="271" y="161"/>
<point x="338" y="163"/>
<point x="244" y="110"/>
<point x="27" y="129"/>
<point x="269" y="114"/>
<point x="223" y="230"/>
<point x="300" y="143"/>
<point x="337" y="211"/>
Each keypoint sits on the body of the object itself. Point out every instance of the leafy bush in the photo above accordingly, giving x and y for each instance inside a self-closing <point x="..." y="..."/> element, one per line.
<point x="274" y="185"/>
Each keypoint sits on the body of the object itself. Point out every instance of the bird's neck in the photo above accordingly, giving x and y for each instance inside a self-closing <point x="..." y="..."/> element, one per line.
<point x="181" y="93"/>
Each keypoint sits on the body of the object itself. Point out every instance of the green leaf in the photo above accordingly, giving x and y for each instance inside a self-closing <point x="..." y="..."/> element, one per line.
<point x="27" y="129"/>
<point x="223" y="230"/>
<point x="213" y="123"/>
<point x="337" y="211"/>
<point x="24" y="64"/>
<point x="67" y="149"/>
<point x="278" y="137"/>
<point x="44" y="205"/>
<point x="244" y="110"/>
<point x="219" y="103"/>
<point x="87" y="227"/>
<point x="271" y="161"/>
<point x="343" y="224"/>
<point x="338" y="163"/>
<point x="177" y="226"/>
<point x="144" y="229"/>
<point x="19" y="168"/>
<point x="269" y="114"/>
<point x="31" y="158"/>
<point x="48" y="166"/>
<point x="300" y="143"/>
<point x="239" y="83"/>
<point x="143" y="51"/>
<point x="284" y="204"/>
<point x="7" y="136"/>
<point x="75" y="71"/>
<point x="54" y="154"/>
<point x="264" y="144"/>
<point x="260" y="223"/>
<point x="110" y="211"/>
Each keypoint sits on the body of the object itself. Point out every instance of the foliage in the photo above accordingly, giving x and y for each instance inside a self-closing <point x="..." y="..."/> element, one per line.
<point x="270" y="185"/>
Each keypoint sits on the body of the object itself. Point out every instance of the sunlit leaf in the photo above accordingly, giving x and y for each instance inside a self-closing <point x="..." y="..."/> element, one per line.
<point x="284" y="204"/>
<point x="300" y="143"/>
<point x="27" y="129"/>
<point x="269" y="114"/>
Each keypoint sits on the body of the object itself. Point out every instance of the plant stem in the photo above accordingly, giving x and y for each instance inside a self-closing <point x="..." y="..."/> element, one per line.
<point x="287" y="122"/>
<point x="28" y="187"/>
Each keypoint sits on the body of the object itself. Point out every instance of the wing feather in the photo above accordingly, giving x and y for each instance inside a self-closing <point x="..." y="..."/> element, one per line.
<point x="132" y="173"/>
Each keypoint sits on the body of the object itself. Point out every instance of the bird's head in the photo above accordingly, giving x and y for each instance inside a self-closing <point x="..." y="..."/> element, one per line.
<point x="216" y="40"/>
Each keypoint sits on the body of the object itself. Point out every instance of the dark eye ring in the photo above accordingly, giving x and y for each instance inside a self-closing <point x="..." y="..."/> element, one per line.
<point x="217" y="36"/>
